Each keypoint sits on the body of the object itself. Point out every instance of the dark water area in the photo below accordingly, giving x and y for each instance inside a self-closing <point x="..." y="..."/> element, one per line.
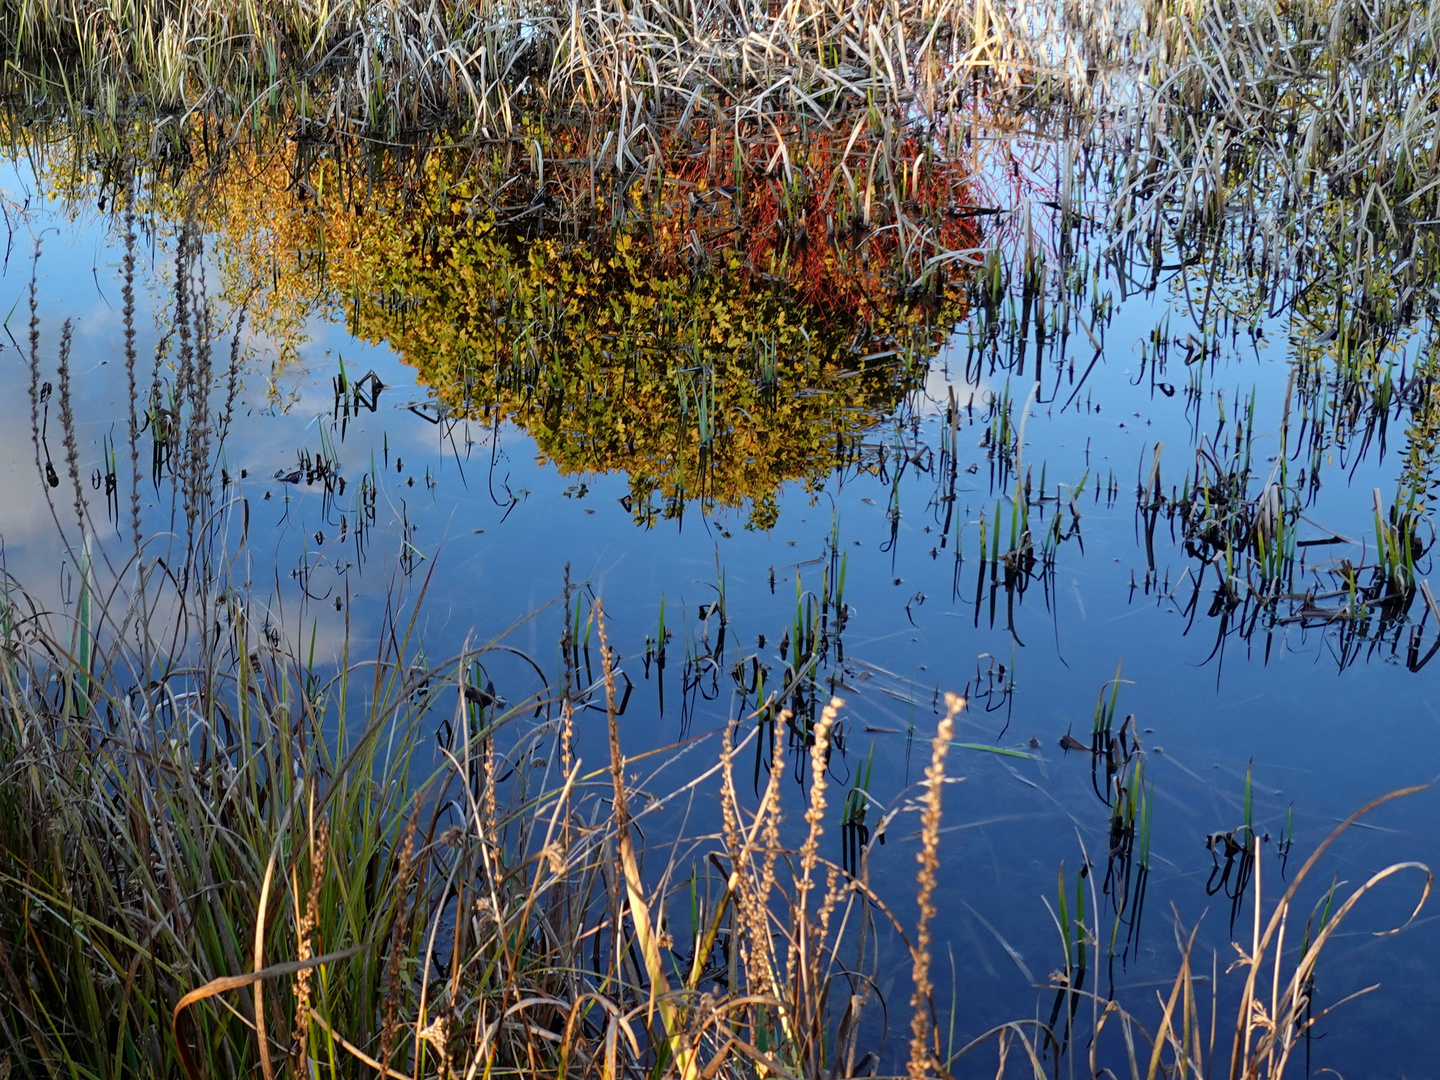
<point x="1081" y="491"/>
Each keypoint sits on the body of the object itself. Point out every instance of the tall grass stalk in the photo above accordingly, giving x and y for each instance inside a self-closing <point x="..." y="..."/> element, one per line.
<point x="923" y="1047"/>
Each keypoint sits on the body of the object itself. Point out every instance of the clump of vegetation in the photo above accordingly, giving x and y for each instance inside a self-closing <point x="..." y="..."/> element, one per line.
<point x="626" y="297"/>
<point x="238" y="866"/>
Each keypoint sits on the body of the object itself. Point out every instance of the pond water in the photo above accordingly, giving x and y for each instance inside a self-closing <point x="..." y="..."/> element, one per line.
<point x="1095" y="492"/>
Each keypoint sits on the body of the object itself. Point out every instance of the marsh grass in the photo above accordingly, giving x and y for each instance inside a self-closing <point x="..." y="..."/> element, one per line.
<point x="1274" y="1011"/>
<point x="497" y="65"/>
<point x="245" y="866"/>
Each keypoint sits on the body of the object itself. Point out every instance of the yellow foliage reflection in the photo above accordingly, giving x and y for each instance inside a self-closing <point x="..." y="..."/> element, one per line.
<point x="715" y="327"/>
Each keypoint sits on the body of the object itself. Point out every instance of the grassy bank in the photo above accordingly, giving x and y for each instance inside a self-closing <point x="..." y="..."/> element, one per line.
<point x="504" y="65"/>
<point x="236" y="868"/>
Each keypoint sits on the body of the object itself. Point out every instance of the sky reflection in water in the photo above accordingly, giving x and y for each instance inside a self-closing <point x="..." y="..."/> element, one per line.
<point x="1321" y="729"/>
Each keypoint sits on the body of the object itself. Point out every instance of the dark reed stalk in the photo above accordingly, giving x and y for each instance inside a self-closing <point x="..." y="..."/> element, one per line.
<point x="132" y="404"/>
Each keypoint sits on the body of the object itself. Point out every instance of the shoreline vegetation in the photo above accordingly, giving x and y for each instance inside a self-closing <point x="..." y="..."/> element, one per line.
<point x="218" y="861"/>
<point x="218" y="857"/>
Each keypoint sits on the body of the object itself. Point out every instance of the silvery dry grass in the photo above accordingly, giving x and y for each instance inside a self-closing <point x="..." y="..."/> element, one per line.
<point x="500" y="63"/>
<point x="1287" y="153"/>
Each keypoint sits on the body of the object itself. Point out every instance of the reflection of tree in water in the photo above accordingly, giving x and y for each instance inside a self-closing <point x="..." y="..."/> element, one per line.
<point x="733" y="315"/>
<point x="711" y="340"/>
<point x="717" y="387"/>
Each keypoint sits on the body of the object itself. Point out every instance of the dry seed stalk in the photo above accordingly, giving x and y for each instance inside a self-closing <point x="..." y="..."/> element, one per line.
<point x="490" y="803"/>
<point x="921" y="1039"/>
<point x="815" y="820"/>
<point x="753" y="891"/>
<point x="305" y="938"/>
<point x="773" y="815"/>
<point x="567" y="701"/>
<point x="33" y="357"/>
<point x="647" y="929"/>
<point x="127" y="294"/>
<point x="394" y="954"/>
<point x="67" y="424"/>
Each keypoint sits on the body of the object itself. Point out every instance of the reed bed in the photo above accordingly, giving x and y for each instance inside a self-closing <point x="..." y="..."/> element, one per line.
<point x="500" y="65"/>
<point x="226" y="872"/>
<point x="240" y="866"/>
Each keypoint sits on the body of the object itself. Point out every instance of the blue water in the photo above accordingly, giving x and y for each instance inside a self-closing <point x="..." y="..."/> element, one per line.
<point x="494" y="527"/>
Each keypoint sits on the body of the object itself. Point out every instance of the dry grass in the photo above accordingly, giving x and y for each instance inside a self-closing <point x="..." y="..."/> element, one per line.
<point x="499" y="65"/>
<point x="1274" y="1010"/>
<point x="225" y="871"/>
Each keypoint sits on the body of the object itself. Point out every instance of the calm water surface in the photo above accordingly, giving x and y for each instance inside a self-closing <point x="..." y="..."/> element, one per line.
<point x="1322" y="711"/>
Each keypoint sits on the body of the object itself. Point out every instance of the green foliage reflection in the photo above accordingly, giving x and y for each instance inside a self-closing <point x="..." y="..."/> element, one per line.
<point x="710" y="355"/>
<point x="719" y="388"/>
